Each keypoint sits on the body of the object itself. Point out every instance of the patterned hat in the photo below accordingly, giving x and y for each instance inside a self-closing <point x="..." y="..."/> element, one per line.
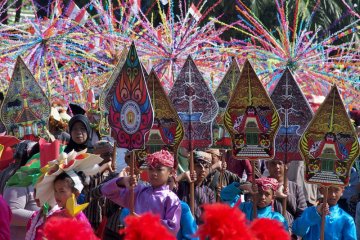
<point x="267" y="183"/>
<point x="202" y="156"/>
<point x="161" y="157"/>
<point x="70" y="164"/>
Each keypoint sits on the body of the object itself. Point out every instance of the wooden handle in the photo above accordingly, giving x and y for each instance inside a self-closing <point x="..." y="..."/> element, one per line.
<point x="254" y="215"/>
<point x="132" y="187"/>
<point x="322" y="230"/>
<point x="192" y="184"/>
<point x="284" y="201"/>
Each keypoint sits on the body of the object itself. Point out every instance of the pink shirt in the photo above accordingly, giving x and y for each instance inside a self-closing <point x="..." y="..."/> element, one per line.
<point x="5" y="218"/>
<point x="36" y="223"/>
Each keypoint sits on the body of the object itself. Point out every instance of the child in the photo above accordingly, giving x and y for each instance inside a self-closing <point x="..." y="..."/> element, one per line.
<point x="156" y="198"/>
<point x="61" y="179"/>
<point x="338" y="224"/>
<point x="64" y="187"/>
<point x="203" y="194"/>
<point x="79" y="128"/>
<point x="264" y="198"/>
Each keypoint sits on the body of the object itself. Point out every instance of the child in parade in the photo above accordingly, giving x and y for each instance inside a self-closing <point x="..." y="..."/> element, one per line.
<point x="156" y="198"/>
<point x="5" y="218"/>
<point x="338" y="223"/>
<point x="264" y="197"/>
<point x="63" y="180"/>
<point x="203" y="194"/>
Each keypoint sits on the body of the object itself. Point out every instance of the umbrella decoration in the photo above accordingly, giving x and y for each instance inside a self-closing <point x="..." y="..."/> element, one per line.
<point x="222" y="95"/>
<point x="25" y="109"/>
<point x="165" y="47"/>
<point x="316" y="61"/>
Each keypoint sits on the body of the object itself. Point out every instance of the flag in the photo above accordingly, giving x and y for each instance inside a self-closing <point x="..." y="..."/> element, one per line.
<point x="91" y="96"/>
<point x="57" y="8"/>
<point x="164" y="2"/>
<point x="135" y="6"/>
<point x="77" y="84"/>
<point x="73" y="12"/>
<point x="193" y="11"/>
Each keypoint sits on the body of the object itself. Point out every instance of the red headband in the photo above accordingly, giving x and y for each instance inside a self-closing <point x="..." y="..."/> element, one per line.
<point x="267" y="183"/>
<point x="162" y="157"/>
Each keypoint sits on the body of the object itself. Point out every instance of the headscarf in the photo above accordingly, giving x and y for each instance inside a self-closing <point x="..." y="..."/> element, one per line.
<point x="72" y="145"/>
<point x="267" y="183"/>
<point x="161" y="157"/>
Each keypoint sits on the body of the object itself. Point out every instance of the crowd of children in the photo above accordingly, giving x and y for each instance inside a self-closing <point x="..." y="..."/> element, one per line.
<point x="84" y="183"/>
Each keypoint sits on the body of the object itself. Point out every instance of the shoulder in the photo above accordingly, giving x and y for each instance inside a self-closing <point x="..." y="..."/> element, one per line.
<point x="278" y="216"/>
<point x="172" y="196"/>
<point x="344" y="215"/>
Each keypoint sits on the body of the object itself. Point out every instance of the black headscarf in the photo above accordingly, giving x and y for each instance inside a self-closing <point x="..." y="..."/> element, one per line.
<point x="72" y="145"/>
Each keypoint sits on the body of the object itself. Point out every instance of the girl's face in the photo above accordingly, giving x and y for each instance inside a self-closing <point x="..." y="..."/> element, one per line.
<point x="158" y="176"/>
<point x="63" y="191"/>
<point x="78" y="133"/>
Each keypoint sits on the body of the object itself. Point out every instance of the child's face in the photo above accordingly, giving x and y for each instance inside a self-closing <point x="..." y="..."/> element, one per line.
<point x="78" y="133"/>
<point x="264" y="197"/>
<point x="334" y="194"/>
<point x="202" y="170"/>
<point x="62" y="192"/>
<point x="158" y="176"/>
<point x="172" y="184"/>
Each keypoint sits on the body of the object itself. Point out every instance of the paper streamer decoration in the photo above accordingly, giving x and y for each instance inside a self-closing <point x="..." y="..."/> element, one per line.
<point x="26" y="109"/>
<point x="329" y="145"/>
<point x="195" y="104"/>
<point x="295" y="114"/>
<point x="130" y="114"/>
<point x="251" y="118"/>
<point x="222" y="138"/>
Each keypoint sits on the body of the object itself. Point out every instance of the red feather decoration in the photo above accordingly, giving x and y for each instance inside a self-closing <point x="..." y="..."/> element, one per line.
<point x="60" y="228"/>
<point x="145" y="227"/>
<point x="222" y="222"/>
<point x="268" y="229"/>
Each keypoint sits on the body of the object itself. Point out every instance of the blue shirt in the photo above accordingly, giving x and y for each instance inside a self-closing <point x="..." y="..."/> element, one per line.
<point x="338" y="225"/>
<point x="188" y="225"/>
<point x="266" y="212"/>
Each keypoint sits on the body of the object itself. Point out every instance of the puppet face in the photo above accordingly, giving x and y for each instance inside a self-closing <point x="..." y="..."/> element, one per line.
<point x="62" y="191"/>
<point x="159" y="175"/>
<point x="78" y="133"/>
<point x="264" y="197"/>
<point x="276" y="169"/>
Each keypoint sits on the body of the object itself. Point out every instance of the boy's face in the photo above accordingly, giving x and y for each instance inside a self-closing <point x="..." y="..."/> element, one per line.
<point x="276" y="169"/>
<point x="78" y="133"/>
<point x="202" y="170"/>
<point x="62" y="192"/>
<point x="334" y="194"/>
<point x="264" y="197"/>
<point x="159" y="175"/>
